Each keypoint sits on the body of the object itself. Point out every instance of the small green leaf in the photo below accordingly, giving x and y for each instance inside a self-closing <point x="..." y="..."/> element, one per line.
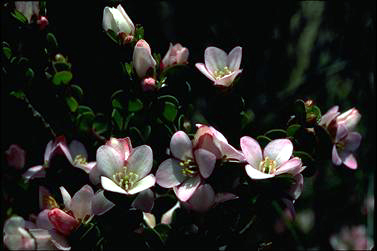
<point x="77" y="91"/>
<point x="305" y="157"/>
<point x="136" y="133"/>
<point x="113" y="36"/>
<point x="52" y="43"/>
<point x="7" y="52"/>
<point x="163" y="231"/>
<point x="313" y="112"/>
<point x="263" y="140"/>
<point x="19" y="16"/>
<point x="85" y="121"/>
<point x="169" y="111"/>
<point x="100" y="124"/>
<point x="127" y="120"/>
<point x="18" y="94"/>
<point x="300" y="110"/>
<point x="292" y="129"/>
<point x="135" y="105"/>
<point x="85" y="109"/>
<point x="116" y="94"/>
<point x="276" y="133"/>
<point x="169" y="98"/>
<point x="146" y="132"/>
<point x="62" y="77"/>
<point x="118" y="118"/>
<point x="29" y="74"/>
<point x="116" y="104"/>
<point x="72" y="103"/>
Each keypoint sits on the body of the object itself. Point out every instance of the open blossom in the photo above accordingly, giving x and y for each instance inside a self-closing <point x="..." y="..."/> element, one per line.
<point x="176" y="54"/>
<point x="274" y="160"/>
<point x="117" y="20"/>
<point x="79" y="156"/>
<point x="31" y="9"/>
<point x="220" y="67"/>
<point x="346" y="141"/>
<point x="15" y="156"/>
<point x="142" y="58"/>
<point x="123" y="169"/>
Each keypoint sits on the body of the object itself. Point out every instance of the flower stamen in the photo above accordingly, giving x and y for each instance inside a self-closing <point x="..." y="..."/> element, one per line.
<point x="221" y="73"/>
<point x="124" y="179"/>
<point x="267" y="166"/>
<point x="189" y="167"/>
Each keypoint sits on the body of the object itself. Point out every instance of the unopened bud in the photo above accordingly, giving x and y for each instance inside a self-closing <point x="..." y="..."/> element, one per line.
<point x="148" y="84"/>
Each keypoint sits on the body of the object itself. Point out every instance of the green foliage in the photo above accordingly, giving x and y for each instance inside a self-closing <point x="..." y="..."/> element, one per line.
<point x="62" y="78"/>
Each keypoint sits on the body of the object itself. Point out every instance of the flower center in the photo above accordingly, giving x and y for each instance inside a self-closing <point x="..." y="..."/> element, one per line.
<point x="124" y="179"/>
<point x="80" y="160"/>
<point x="50" y="202"/>
<point x="221" y="73"/>
<point x="189" y="167"/>
<point x="267" y="166"/>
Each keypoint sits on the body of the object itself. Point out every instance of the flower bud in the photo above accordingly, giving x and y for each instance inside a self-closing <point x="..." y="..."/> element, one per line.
<point x="349" y="118"/>
<point x="42" y="22"/>
<point x="15" y="156"/>
<point x="62" y="221"/>
<point x="176" y="54"/>
<point x="117" y="20"/>
<point x="148" y="84"/>
<point x="142" y="58"/>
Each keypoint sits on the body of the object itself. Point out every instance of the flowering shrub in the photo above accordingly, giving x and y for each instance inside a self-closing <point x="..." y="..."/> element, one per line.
<point x="129" y="146"/>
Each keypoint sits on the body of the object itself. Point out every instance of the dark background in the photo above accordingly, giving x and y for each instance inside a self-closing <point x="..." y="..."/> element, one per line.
<point x="322" y="51"/>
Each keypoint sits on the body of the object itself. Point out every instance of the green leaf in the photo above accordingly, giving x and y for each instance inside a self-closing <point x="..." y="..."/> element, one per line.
<point x="72" y="103"/>
<point x="18" y="94"/>
<point x="139" y="33"/>
<point x="292" y="129"/>
<point x="77" y="91"/>
<point x="116" y="94"/>
<point x="85" y="109"/>
<point x="7" y="52"/>
<point x="163" y="231"/>
<point x="116" y="104"/>
<point x="246" y="118"/>
<point x="169" y="98"/>
<point x="62" y="66"/>
<point x="52" y="43"/>
<point x="127" y="120"/>
<point x="305" y="157"/>
<point x="19" y="16"/>
<point x="113" y="36"/>
<point x="85" y="121"/>
<point x="100" y="124"/>
<point x="146" y="132"/>
<point x="117" y="118"/>
<point x="300" y="110"/>
<point x="276" y="133"/>
<point x="62" y="77"/>
<point x="170" y="111"/>
<point x="263" y="140"/>
<point x="313" y="112"/>
<point x="29" y="74"/>
<point x="135" y="105"/>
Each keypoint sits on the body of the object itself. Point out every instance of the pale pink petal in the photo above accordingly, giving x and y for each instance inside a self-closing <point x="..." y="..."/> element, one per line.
<point x="182" y="56"/>
<point x="166" y="60"/>
<point x="202" y="199"/>
<point x="59" y="240"/>
<point x="206" y="141"/>
<point x="130" y="26"/>
<point x="34" y="172"/>
<point x="77" y="148"/>
<point x="223" y="197"/>
<point x="167" y="217"/>
<point x="108" y="21"/>
<point x="142" y="58"/>
<point x="143" y="184"/>
<point x="296" y="189"/>
<point x="43" y="220"/>
<point x="81" y="202"/>
<point x="66" y="197"/>
<point x="87" y="167"/>
<point x="21" y="240"/>
<point x="63" y="148"/>
<point x="111" y="186"/>
<point x="350" y="161"/>
<point x="228" y="79"/>
<point x="341" y="132"/>
<point x="206" y="162"/>
<point x="140" y="161"/>
<point x="292" y="166"/>
<point x="234" y="58"/>
<point x="12" y="224"/>
<point x="201" y="67"/>
<point x="108" y="161"/>
<point x="100" y="204"/>
<point x="251" y="150"/>
<point x="144" y="200"/>
<point x="352" y="141"/>
<point x="42" y="238"/>
<point x="215" y="59"/>
<point x="94" y="175"/>
<point x="257" y="175"/>
<point x="336" y="160"/>
<point x="48" y="151"/>
<point x="230" y="152"/>
<point x="149" y="219"/>
<point x="187" y="188"/>
<point x="181" y="146"/>
<point x="15" y="156"/>
<point x="279" y="150"/>
<point x="62" y="221"/>
<point x="169" y="174"/>
<point x="329" y="116"/>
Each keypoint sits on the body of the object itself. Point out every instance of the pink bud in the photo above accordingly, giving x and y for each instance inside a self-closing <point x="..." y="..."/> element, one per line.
<point x="148" y="84"/>
<point x="176" y="54"/>
<point x="142" y="58"/>
<point x="349" y="118"/>
<point x="15" y="156"/>
<point x="42" y="22"/>
<point x="62" y="221"/>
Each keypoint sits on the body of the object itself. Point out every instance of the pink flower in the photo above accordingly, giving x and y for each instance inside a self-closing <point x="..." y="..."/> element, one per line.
<point x="148" y="84"/>
<point x="123" y="169"/>
<point x="275" y="159"/>
<point x="351" y="238"/>
<point x="176" y="54"/>
<point x="346" y="141"/>
<point x="78" y="156"/>
<point x="219" y="67"/>
<point x="166" y="218"/>
<point x="187" y="167"/>
<point x="15" y="156"/>
<point x="117" y="20"/>
<point x="142" y="58"/>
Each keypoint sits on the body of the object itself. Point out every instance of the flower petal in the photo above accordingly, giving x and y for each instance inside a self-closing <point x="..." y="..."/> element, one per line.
<point x="144" y="200"/>
<point x="167" y="217"/>
<point x="206" y="162"/>
<point x="62" y="221"/>
<point x="169" y="174"/>
<point x="350" y="161"/>
<point x="227" y="80"/>
<point x="130" y="29"/>
<point x="181" y="146"/>
<point x="143" y="184"/>
<point x="43" y="195"/>
<point x="202" y="199"/>
<point x="111" y="186"/>
<point x="329" y="116"/>
<point x="66" y="197"/>
<point x="297" y="187"/>
<point x="336" y="160"/>
<point x="352" y="141"/>
<point x="251" y="150"/>
<point x="59" y="240"/>
<point x="12" y="224"/>
<point x="292" y="166"/>
<point x="108" y="22"/>
<point x="187" y="188"/>
<point x="140" y="161"/>
<point x="257" y="175"/>
<point x="149" y="219"/>
<point x="43" y="221"/>
<point x="100" y="204"/>
<point x="201" y="67"/>
<point x="341" y="132"/>
<point x="223" y="197"/>
<point x="279" y="150"/>
<point x="34" y="172"/>
<point x="108" y="161"/>
<point x="77" y="148"/>
<point x="215" y="59"/>
<point x="81" y="202"/>
<point x="234" y="58"/>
